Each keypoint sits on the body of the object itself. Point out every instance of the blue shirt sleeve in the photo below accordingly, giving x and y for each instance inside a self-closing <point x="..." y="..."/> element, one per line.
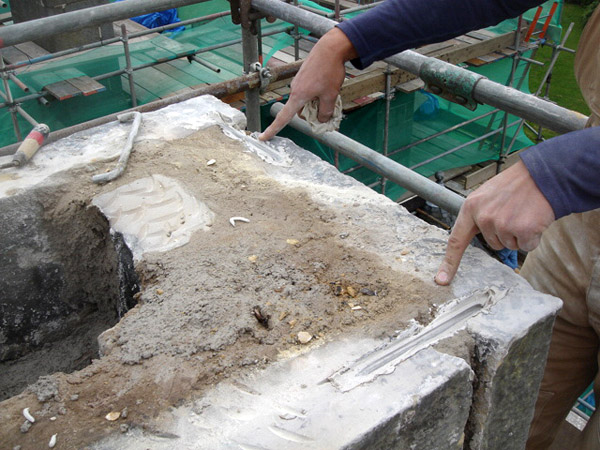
<point x="397" y="25"/>
<point x="567" y="170"/>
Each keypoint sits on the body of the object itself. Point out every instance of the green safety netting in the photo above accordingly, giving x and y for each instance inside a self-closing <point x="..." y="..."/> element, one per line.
<point x="151" y="84"/>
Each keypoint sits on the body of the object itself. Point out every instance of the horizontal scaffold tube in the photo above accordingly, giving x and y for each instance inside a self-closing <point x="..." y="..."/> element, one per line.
<point x="40" y="29"/>
<point x="384" y="166"/>
<point x="508" y="99"/>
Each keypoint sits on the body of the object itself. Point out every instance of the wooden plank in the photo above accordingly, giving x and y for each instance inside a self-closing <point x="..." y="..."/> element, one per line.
<point x="86" y="85"/>
<point x="173" y="46"/>
<point x="411" y="86"/>
<point x="171" y="69"/>
<point x="132" y="27"/>
<point x="468" y="39"/>
<point x="157" y="82"/>
<point x="13" y="55"/>
<point x="433" y="48"/>
<point x="282" y="91"/>
<point x="270" y="96"/>
<point x="31" y="49"/>
<point x="237" y="104"/>
<point x="284" y="57"/>
<point x="488" y="46"/>
<point x="62" y="90"/>
<point x="291" y="51"/>
<point x="478" y="35"/>
<point x="489" y="34"/>
<point x="485" y="59"/>
<point x="366" y="83"/>
<point x="280" y="84"/>
<point x="477" y="177"/>
<point x="344" y="4"/>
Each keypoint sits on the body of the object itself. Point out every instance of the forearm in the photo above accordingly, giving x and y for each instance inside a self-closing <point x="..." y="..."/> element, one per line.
<point x="397" y="25"/>
<point x="567" y="170"/>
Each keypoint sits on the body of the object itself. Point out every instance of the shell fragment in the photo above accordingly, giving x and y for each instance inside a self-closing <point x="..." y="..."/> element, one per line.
<point x="113" y="415"/>
<point x="233" y="220"/>
<point x="28" y="416"/>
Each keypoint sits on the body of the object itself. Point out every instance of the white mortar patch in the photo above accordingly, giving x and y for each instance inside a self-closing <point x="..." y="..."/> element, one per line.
<point x="154" y="214"/>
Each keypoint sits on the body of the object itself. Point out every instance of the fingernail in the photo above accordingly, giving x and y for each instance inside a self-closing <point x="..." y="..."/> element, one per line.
<point x="441" y="277"/>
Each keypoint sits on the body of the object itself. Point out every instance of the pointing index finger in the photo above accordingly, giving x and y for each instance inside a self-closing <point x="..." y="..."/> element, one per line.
<point x="463" y="232"/>
<point x="287" y="113"/>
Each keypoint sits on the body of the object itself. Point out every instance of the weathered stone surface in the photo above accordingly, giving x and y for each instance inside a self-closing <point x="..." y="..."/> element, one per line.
<point x="511" y="344"/>
<point x="424" y="403"/>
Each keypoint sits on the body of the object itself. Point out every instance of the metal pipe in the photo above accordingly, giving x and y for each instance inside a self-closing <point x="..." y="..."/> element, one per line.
<point x="295" y="34"/>
<point x="128" y="70"/>
<point x="250" y="55"/>
<point x="104" y="42"/>
<point x="382" y="165"/>
<point x="36" y="29"/>
<point x="18" y="82"/>
<point x="386" y="122"/>
<point x="485" y="91"/>
<point x="18" y="110"/>
<point x="205" y="64"/>
<point x="445" y="131"/>
<point x="9" y="100"/>
<point x="218" y="90"/>
<point x="461" y="146"/>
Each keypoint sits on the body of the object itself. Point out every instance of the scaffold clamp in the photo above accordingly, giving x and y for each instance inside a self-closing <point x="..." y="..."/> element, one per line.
<point x="456" y="86"/>
<point x="243" y="14"/>
<point x="264" y="75"/>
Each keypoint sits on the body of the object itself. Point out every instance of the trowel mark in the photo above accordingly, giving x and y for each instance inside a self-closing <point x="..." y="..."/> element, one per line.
<point x="244" y="388"/>
<point x="452" y="318"/>
<point x="290" y="435"/>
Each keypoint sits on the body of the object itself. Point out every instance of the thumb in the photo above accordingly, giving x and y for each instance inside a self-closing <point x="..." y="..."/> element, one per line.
<point x="326" y="108"/>
<point x="463" y="232"/>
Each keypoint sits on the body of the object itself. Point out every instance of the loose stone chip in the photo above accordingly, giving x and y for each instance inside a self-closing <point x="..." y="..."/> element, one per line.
<point x="304" y="337"/>
<point x="113" y="415"/>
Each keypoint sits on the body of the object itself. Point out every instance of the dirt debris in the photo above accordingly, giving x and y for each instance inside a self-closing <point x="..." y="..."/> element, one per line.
<point x="232" y="299"/>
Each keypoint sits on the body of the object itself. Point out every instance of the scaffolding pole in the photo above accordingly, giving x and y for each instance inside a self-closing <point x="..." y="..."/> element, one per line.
<point x="39" y="29"/>
<point x="381" y="165"/>
<point x="250" y="55"/>
<point x="484" y="91"/>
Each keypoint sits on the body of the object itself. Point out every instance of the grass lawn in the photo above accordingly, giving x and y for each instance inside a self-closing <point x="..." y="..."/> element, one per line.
<point x="563" y="88"/>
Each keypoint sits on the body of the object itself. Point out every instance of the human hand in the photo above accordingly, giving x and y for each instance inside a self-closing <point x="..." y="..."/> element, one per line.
<point x="320" y="77"/>
<point x="509" y="210"/>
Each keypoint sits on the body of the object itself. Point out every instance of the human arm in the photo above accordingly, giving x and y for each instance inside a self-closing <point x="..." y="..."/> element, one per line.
<point x="555" y="178"/>
<point x="391" y="27"/>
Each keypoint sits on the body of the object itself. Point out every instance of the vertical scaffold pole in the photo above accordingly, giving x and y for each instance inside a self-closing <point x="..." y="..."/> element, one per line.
<point x="250" y="55"/>
<point x="9" y="99"/>
<point x="128" y="68"/>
